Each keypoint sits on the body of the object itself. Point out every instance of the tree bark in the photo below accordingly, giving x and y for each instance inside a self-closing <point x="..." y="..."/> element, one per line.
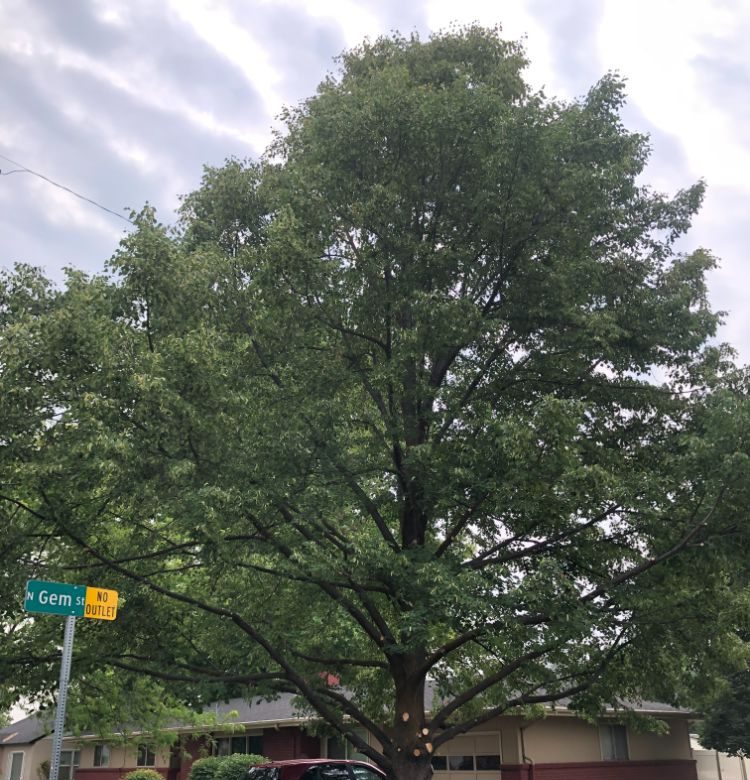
<point x="406" y="766"/>
<point x="411" y="747"/>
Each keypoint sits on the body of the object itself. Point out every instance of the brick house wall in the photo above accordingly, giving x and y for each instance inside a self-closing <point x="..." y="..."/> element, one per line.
<point x="680" y="769"/>
<point x="278" y="744"/>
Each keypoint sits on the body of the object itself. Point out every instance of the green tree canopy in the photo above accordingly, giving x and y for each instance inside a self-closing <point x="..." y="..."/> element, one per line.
<point x="427" y="395"/>
<point x="726" y="726"/>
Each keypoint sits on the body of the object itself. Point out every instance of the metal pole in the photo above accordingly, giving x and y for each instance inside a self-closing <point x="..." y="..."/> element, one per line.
<point x="62" y="697"/>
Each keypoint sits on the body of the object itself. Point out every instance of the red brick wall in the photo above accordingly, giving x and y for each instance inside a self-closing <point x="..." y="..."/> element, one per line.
<point x="278" y="744"/>
<point x="603" y="770"/>
<point x="283" y="743"/>
<point x="195" y="748"/>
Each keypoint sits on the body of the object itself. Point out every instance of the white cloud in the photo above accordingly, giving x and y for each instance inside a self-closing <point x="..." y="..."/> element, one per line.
<point x="355" y="21"/>
<point x="213" y="22"/>
<point x="655" y="45"/>
<point x="64" y="209"/>
<point x="110" y="13"/>
<point x="139" y="80"/>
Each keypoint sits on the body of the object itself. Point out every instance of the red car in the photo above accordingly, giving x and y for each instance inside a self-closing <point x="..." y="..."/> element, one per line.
<point x="315" y="769"/>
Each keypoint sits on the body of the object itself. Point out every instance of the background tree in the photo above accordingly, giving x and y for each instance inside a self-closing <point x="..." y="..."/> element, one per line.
<point x="383" y="421"/>
<point x="726" y="726"/>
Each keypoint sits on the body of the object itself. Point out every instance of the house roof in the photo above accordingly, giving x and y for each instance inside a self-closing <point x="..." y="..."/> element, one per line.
<point x="653" y="708"/>
<point x="279" y="710"/>
<point x="256" y="712"/>
<point x="282" y="710"/>
<point x="25" y="731"/>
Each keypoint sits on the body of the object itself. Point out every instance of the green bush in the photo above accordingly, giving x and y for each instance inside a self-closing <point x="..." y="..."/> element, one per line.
<point x="204" y="768"/>
<point x="144" y="774"/>
<point x="234" y="767"/>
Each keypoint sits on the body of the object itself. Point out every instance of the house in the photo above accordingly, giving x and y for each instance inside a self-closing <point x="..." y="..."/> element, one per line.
<point x="24" y="747"/>
<point x="558" y="747"/>
<point x="269" y="728"/>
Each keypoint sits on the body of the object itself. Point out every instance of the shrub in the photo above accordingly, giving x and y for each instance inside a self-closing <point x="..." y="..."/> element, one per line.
<point x="234" y="767"/>
<point x="144" y="774"/>
<point x="204" y="768"/>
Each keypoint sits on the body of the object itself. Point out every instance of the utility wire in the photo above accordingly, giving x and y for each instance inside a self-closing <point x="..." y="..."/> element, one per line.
<point x="24" y="169"/>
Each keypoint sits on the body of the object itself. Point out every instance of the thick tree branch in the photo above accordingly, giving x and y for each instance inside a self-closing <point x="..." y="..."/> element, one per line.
<point x="460" y="524"/>
<point x="160" y="674"/>
<point x="488" y="681"/>
<point x="354" y="712"/>
<point x="371" y="630"/>
<point x="336" y="662"/>
<point x="649" y="563"/>
<point x="304" y="687"/>
<point x="537" y="548"/>
<point x="589" y="678"/>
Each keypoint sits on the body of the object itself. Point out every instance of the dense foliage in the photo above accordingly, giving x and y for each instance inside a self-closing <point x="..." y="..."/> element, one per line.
<point x="427" y="395"/>
<point x="204" y="768"/>
<point x="143" y="774"/>
<point x="234" y="767"/>
<point x="726" y="726"/>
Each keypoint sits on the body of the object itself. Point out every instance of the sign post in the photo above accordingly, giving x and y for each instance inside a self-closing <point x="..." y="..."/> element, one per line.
<point x="62" y="697"/>
<point x="72" y="601"/>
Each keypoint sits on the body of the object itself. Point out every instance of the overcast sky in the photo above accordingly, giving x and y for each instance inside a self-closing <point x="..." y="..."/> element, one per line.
<point x="124" y="101"/>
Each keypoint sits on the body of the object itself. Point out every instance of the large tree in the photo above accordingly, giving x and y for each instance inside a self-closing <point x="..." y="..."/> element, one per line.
<point x="425" y="396"/>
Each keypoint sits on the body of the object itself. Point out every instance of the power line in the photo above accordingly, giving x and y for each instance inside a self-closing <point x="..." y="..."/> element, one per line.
<point x="24" y="169"/>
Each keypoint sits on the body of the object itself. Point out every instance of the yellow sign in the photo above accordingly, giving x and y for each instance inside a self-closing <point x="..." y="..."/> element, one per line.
<point x="101" y="604"/>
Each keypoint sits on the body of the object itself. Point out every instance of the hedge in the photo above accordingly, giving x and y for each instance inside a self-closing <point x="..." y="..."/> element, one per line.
<point x="232" y="767"/>
<point x="144" y="774"/>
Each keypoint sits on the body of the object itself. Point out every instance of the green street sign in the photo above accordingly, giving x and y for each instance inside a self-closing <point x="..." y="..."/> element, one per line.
<point x="59" y="598"/>
<point x="55" y="598"/>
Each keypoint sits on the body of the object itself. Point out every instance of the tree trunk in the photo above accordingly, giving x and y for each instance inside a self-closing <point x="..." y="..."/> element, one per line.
<point x="407" y="766"/>
<point x="411" y="748"/>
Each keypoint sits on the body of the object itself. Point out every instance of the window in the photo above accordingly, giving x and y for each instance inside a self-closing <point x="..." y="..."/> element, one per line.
<point x="69" y="761"/>
<point x="16" y="766"/>
<point x="223" y="746"/>
<point x="262" y="773"/>
<point x="469" y="753"/>
<point x="488" y="763"/>
<point x="461" y="763"/>
<point x="242" y="743"/>
<point x="238" y="744"/>
<point x="101" y="755"/>
<point x="338" y="747"/>
<point x="614" y="739"/>
<point x="333" y="772"/>
<point x="146" y="756"/>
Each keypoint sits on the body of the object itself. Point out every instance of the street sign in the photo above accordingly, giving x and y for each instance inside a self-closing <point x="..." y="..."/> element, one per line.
<point x="101" y="604"/>
<point x="59" y="598"/>
<point x="55" y="598"/>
